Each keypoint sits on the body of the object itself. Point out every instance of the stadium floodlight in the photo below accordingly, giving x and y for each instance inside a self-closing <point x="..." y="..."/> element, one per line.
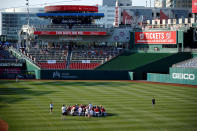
<point x="27" y="4"/>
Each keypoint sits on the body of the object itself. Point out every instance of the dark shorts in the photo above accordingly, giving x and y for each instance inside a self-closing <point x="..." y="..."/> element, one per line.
<point x="51" y="108"/>
<point x="64" y="113"/>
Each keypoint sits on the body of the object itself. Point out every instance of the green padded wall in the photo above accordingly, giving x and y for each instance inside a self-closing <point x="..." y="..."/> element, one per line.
<point x="85" y="75"/>
<point x="183" y="75"/>
<point x="177" y="75"/>
<point x="143" y="63"/>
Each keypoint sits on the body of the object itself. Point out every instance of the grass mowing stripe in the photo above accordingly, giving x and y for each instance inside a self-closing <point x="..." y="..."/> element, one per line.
<point x="129" y="104"/>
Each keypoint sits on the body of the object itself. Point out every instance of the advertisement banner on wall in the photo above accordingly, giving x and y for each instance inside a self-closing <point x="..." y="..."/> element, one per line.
<point x="157" y="37"/>
<point x="84" y="33"/>
<point x="51" y="61"/>
<point x="11" y="64"/>
<point x="10" y="70"/>
<point x="85" y="61"/>
<point x="194" y="6"/>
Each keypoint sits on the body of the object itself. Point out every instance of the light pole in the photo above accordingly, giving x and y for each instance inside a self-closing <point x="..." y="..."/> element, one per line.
<point x="146" y="3"/>
<point x="150" y="3"/>
<point x="27" y="4"/>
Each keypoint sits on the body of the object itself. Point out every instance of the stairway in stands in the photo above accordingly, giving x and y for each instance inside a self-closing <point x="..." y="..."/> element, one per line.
<point x="68" y="59"/>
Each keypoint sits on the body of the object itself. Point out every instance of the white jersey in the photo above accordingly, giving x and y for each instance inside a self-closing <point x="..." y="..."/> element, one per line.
<point x="91" y="112"/>
<point x="80" y="109"/>
<point x="90" y="106"/>
<point x="63" y="109"/>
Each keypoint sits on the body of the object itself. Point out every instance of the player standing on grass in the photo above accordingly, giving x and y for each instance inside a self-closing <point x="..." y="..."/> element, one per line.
<point x="153" y="101"/>
<point x="63" y="112"/>
<point x="16" y="78"/>
<point x="51" y="107"/>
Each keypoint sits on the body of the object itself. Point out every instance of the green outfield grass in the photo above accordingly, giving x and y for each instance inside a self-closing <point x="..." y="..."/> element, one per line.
<point x="25" y="106"/>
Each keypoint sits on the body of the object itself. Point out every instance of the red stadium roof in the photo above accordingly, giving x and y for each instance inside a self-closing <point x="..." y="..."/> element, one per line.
<point x="78" y="8"/>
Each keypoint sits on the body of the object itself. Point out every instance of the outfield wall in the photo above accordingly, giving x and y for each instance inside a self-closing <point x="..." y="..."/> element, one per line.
<point x="177" y="75"/>
<point x="143" y="63"/>
<point x="34" y="68"/>
<point x="85" y="75"/>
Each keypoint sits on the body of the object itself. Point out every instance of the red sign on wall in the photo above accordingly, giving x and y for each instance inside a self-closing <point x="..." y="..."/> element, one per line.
<point x="158" y="37"/>
<point x="194" y="6"/>
<point x="69" y="33"/>
<point x="70" y="8"/>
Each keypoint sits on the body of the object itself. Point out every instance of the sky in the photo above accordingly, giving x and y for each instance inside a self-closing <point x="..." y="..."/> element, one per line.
<point x="41" y="3"/>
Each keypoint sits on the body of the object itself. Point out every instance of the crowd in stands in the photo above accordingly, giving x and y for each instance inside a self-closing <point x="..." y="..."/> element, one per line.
<point x="92" y="56"/>
<point x="71" y="56"/>
<point x="94" y="52"/>
<point x="46" y="53"/>
<point x="5" y="54"/>
<point x="86" y="110"/>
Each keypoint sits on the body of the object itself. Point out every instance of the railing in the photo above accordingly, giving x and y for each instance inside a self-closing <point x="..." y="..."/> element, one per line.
<point x="189" y="50"/>
<point x="22" y="56"/>
<point x="163" y="50"/>
<point x="147" y="50"/>
<point x="55" y="26"/>
<point x="183" y="27"/>
<point x="74" y="28"/>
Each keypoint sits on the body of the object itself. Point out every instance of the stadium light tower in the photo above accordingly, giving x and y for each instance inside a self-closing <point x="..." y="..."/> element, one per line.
<point x="27" y="4"/>
<point x="150" y="3"/>
<point x="146" y="3"/>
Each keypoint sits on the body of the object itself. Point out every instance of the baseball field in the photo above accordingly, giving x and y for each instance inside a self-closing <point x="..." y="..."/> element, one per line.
<point x="24" y="106"/>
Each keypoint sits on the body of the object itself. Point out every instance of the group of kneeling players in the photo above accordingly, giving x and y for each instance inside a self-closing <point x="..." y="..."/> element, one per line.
<point x="82" y="110"/>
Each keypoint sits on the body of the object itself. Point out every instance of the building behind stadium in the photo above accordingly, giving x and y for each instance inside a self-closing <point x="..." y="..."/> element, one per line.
<point x="11" y="20"/>
<point x="173" y="3"/>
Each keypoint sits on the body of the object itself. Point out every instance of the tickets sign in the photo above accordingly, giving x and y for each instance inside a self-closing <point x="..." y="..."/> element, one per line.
<point x="157" y="37"/>
<point x="69" y="33"/>
<point x="194" y="6"/>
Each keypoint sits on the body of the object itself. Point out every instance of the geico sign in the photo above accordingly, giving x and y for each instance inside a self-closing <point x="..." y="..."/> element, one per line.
<point x="183" y="76"/>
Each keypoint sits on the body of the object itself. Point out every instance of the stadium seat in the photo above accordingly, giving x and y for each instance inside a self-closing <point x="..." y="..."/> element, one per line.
<point x="84" y="65"/>
<point x="52" y="66"/>
<point x="190" y="63"/>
